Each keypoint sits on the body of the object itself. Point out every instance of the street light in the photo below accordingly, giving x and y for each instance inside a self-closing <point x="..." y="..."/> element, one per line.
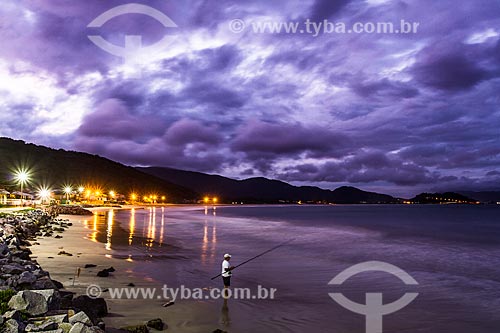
<point x="67" y="191"/>
<point x="81" y="189"/>
<point x="22" y="177"/>
<point x="44" y="194"/>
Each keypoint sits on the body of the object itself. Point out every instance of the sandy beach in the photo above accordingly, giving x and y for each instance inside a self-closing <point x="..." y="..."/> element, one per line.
<point x="77" y="240"/>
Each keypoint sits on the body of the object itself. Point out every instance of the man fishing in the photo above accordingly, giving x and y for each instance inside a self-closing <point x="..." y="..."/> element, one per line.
<point x="226" y="270"/>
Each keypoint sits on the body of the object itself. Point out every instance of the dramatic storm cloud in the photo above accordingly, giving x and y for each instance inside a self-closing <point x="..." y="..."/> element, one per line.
<point x="393" y="112"/>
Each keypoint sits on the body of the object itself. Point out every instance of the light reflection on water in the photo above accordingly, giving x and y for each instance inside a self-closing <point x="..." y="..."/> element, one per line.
<point x="140" y="230"/>
<point x="131" y="226"/>
<point x="209" y="228"/>
<point x="109" y="230"/>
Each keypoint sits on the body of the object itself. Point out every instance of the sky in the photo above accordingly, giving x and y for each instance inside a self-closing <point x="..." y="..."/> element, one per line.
<point x="398" y="113"/>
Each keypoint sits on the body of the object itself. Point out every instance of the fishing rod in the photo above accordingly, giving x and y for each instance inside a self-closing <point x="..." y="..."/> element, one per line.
<point x="259" y="255"/>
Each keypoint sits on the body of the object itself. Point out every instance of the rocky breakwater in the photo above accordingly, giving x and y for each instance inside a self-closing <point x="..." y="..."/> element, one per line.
<point x="30" y="301"/>
<point x="67" y="210"/>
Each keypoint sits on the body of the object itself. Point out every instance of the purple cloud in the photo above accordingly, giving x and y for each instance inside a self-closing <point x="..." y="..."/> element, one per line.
<point x="189" y="131"/>
<point x="112" y="120"/>
<point x="267" y="138"/>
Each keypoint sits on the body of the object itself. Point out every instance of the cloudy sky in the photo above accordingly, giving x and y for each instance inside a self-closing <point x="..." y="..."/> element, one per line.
<point x="398" y="113"/>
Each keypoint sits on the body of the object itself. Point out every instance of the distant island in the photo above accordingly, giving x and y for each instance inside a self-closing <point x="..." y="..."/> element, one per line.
<point x="443" y="198"/>
<point x="57" y="168"/>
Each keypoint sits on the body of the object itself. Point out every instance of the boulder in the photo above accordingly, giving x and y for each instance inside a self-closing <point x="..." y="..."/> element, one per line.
<point x="93" y="307"/>
<point x="44" y="283"/>
<point x="58" y="284"/>
<point x="28" y="301"/>
<point x="66" y="299"/>
<point x="3" y="248"/>
<point x="52" y="298"/>
<point x="35" y="302"/>
<point x="80" y="317"/>
<point x="65" y="327"/>
<point x="157" y="324"/>
<point x="14" y="314"/>
<point x="103" y="273"/>
<point x="26" y="278"/>
<point x="23" y="254"/>
<point x="80" y="328"/>
<point x="13" y="268"/>
<point x="12" y="326"/>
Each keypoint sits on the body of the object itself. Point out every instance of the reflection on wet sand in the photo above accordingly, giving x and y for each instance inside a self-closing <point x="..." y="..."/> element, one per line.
<point x="206" y="241"/>
<point x="151" y="228"/>
<point x="134" y="234"/>
<point x="224" y="315"/>
<point x="109" y="229"/>
<point x="131" y="226"/>
<point x="93" y="235"/>
<point x="162" y="230"/>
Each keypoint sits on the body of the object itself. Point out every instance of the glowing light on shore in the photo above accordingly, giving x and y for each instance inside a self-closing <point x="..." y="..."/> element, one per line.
<point x="81" y="189"/>
<point x="22" y="177"/>
<point x="44" y="194"/>
<point x="112" y="194"/>
<point x="67" y="189"/>
<point x="133" y="196"/>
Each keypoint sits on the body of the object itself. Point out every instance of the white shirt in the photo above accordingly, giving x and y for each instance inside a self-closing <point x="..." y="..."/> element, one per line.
<point x="225" y="264"/>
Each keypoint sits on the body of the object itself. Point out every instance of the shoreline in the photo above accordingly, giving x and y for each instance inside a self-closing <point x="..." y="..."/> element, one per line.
<point x="179" y="318"/>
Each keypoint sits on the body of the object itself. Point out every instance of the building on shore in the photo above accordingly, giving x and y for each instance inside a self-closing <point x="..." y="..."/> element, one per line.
<point x="3" y="196"/>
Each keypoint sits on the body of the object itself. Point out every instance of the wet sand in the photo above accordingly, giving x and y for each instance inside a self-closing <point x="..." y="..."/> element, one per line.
<point x="181" y="317"/>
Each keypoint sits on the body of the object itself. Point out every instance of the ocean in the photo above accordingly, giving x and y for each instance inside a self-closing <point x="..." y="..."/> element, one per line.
<point x="452" y="251"/>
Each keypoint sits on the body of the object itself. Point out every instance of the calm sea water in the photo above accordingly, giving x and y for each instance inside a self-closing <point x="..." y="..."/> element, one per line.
<point x="452" y="251"/>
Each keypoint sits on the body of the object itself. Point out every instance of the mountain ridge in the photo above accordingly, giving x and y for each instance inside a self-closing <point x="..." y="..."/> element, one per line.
<point x="57" y="167"/>
<point x="264" y="190"/>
